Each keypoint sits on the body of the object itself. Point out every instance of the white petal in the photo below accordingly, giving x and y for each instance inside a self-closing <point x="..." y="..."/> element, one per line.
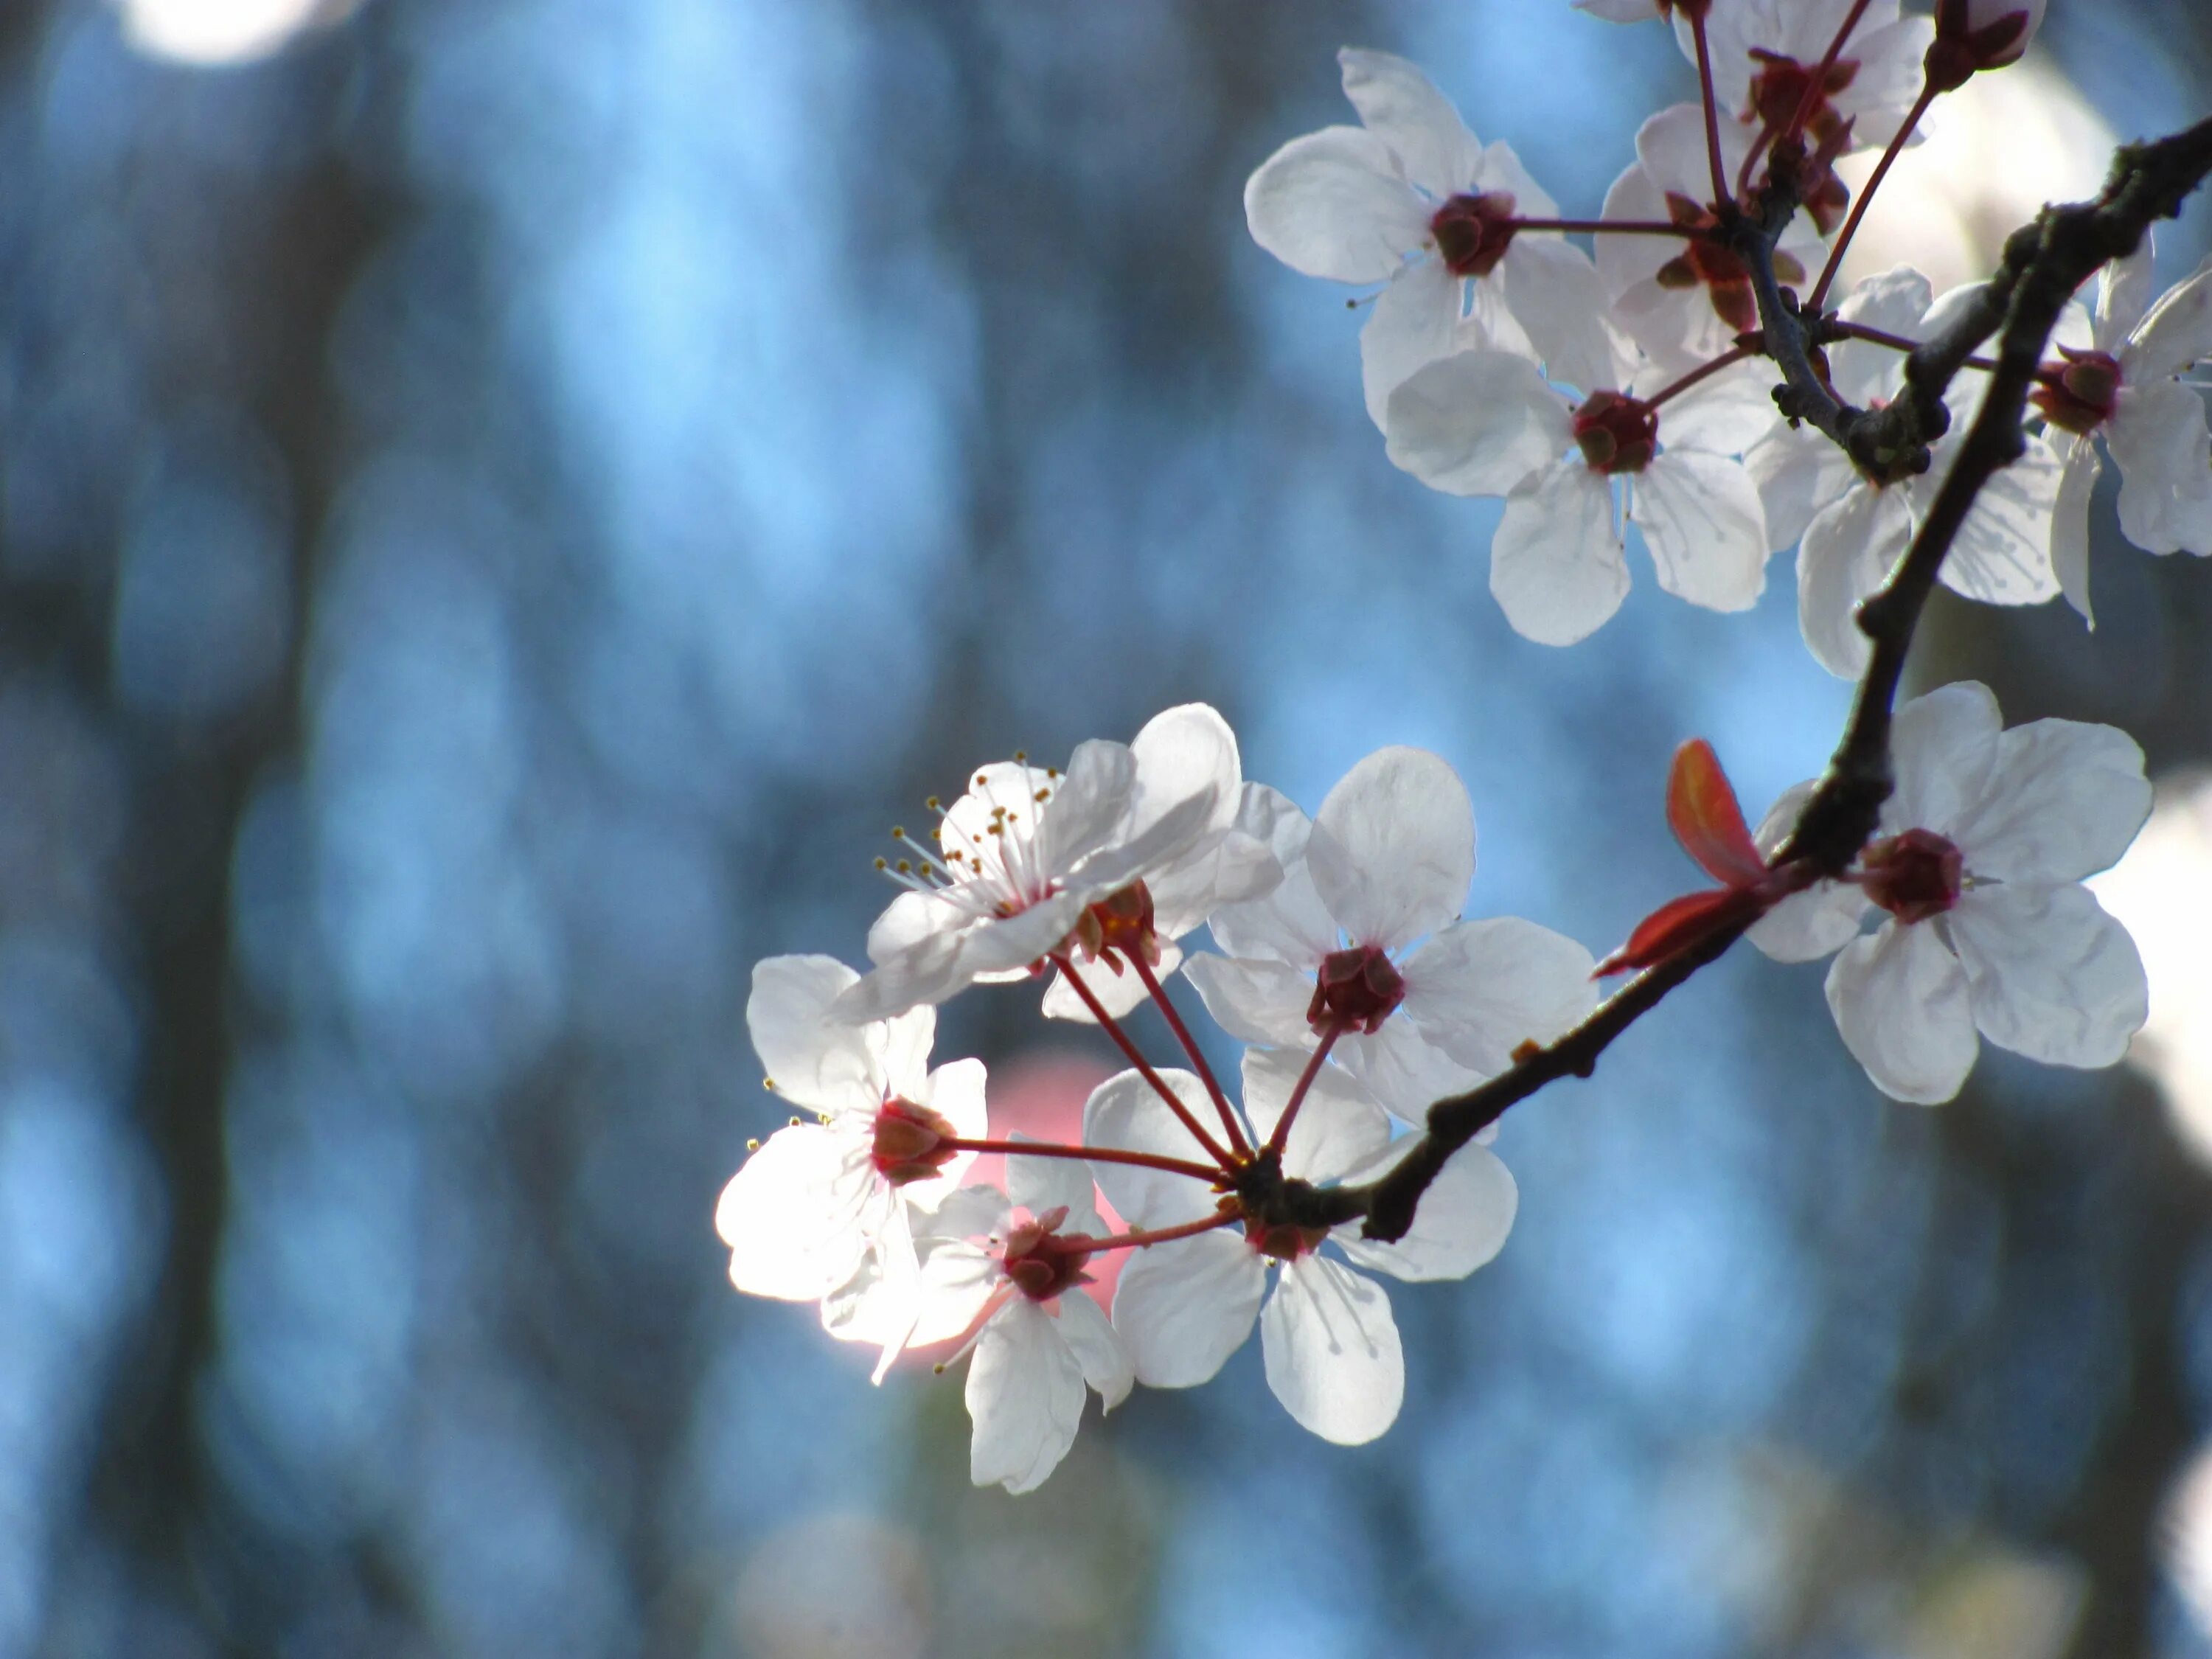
<point x="1289" y="925"/>
<point x="1624" y="261"/>
<point x="1180" y="830"/>
<point x="2123" y="295"/>
<point x="1821" y="919"/>
<point x="1896" y="301"/>
<point x="1902" y="1004"/>
<point x="1798" y="473"/>
<point x="1090" y="804"/>
<point x="1946" y="745"/>
<point x="1090" y="1337"/>
<point x="1728" y="413"/>
<point x="955" y="1092"/>
<point x="1555" y="293"/>
<point x="1334" y="204"/>
<point x="1339" y="1126"/>
<point x="2177" y="333"/>
<point x="827" y="1064"/>
<point x="1253" y="1001"/>
<point x="1705" y="528"/>
<point x="1393" y="848"/>
<point x="2069" y="524"/>
<point x="1403" y="106"/>
<point x="1025" y="1395"/>
<point x="2001" y="554"/>
<point x="1480" y="990"/>
<point x="1402" y="1068"/>
<point x="1331" y="1351"/>
<point x="1479" y="423"/>
<point x="2063" y="799"/>
<point x="1118" y="989"/>
<point x="908" y="919"/>
<point x="1847" y="551"/>
<point x="955" y="1280"/>
<point x="1040" y="1185"/>
<point x="1501" y="169"/>
<point x="1461" y="1222"/>
<point x="2054" y="977"/>
<point x="1124" y="1113"/>
<point x="1240" y="867"/>
<point x="797" y="1216"/>
<point x="1182" y="1307"/>
<point x="2158" y="441"/>
<point x="1180" y="753"/>
<point x="1557" y="564"/>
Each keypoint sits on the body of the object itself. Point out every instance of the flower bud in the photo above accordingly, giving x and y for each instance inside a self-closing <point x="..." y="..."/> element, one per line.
<point x="1979" y="34"/>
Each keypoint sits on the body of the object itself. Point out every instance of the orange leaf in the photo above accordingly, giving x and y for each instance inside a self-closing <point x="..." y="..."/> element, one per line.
<point x="1677" y="925"/>
<point x="1701" y="811"/>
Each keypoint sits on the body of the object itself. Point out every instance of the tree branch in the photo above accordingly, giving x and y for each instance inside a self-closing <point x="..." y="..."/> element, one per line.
<point x="2043" y="265"/>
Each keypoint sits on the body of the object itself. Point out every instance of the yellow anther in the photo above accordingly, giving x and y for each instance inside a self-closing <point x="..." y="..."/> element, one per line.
<point x="979" y="780"/>
<point x="768" y="1083"/>
<point x="1021" y="756"/>
<point x="1052" y="771"/>
<point x="882" y="864"/>
<point x="937" y="1369"/>
<point x="795" y="1121"/>
<point x="933" y="803"/>
<point x="898" y="832"/>
<point x="906" y="866"/>
<point x="1041" y="796"/>
<point x="752" y="1146"/>
<point x="936" y="834"/>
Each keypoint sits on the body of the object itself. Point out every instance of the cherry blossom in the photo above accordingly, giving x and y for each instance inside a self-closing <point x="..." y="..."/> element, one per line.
<point x="1411" y="200"/>
<point x="2117" y="379"/>
<point x="1574" y="475"/>
<point x="1327" y="1335"/>
<point x="1331" y="955"/>
<point x="1851" y="529"/>
<point x="1686" y="302"/>
<point x="1765" y="53"/>
<point x="821" y="1196"/>
<point x="1977" y="865"/>
<point x="1017" y="860"/>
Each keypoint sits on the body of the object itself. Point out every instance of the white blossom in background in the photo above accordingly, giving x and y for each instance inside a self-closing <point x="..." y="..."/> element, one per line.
<point x="1852" y="530"/>
<point x="1411" y="200"/>
<point x="1977" y="867"/>
<point x="821" y="1196"/>
<point x="2118" y="377"/>
<point x="1763" y="53"/>
<point x="1575" y="475"/>
<point x="1363" y="938"/>
<point x="1017" y="861"/>
<point x="1327" y="1335"/>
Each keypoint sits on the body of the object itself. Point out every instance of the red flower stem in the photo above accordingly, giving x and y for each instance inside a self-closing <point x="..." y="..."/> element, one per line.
<point x="1858" y="208"/>
<point x="1611" y="227"/>
<point x="1091" y="1154"/>
<point x="1074" y="1243"/>
<point x="1282" y="1135"/>
<point x="1751" y="159"/>
<point x="1214" y="1150"/>
<point x="1197" y="1056"/>
<point x="1721" y="197"/>
<point x="1733" y="355"/>
<point x="1811" y="95"/>
<point x="1898" y="342"/>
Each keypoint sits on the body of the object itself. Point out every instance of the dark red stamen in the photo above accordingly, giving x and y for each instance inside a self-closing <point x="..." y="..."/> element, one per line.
<point x="1616" y="433"/>
<point x="1913" y="876"/>
<point x="1041" y="1263"/>
<point x="1358" y="988"/>
<point x="2079" y="394"/>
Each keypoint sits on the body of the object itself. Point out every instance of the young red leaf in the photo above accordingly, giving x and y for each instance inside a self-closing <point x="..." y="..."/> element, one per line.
<point x="1677" y="925"/>
<point x="1701" y="811"/>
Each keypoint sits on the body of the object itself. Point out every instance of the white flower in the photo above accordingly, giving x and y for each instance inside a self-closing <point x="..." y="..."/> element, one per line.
<point x="819" y="1198"/>
<point x="1852" y="530"/>
<point x="1329" y="1341"/>
<point x="1009" y="1279"/>
<point x="2123" y="385"/>
<point x="1387" y="864"/>
<point x="1979" y="866"/>
<point x="1021" y="856"/>
<point x="1178" y="752"/>
<point x="1685" y="300"/>
<point x="1411" y="198"/>
<point x="1763" y="53"/>
<point x="1574" y="475"/>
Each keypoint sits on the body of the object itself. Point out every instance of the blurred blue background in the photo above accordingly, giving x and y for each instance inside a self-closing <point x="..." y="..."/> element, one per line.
<point x="503" y="502"/>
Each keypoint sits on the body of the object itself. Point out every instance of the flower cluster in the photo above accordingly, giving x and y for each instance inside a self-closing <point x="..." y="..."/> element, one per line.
<point x="1384" y="1030"/>
<point x="1589" y="392"/>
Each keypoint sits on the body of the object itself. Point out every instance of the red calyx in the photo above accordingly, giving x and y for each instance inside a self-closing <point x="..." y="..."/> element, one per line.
<point x="1616" y="433"/>
<point x="1779" y="92"/>
<point x="1472" y="232"/>
<point x="1701" y="811"/>
<point x="1041" y="1263"/>
<point x="1356" y="990"/>
<point x="2080" y="392"/>
<point x="1283" y="1240"/>
<point x="912" y="1142"/>
<point x="1712" y="264"/>
<point x="1913" y="876"/>
<point x="1120" y="925"/>
<point x="1960" y="49"/>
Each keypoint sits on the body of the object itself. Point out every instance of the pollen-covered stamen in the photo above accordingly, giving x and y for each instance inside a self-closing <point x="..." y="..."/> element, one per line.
<point x="1472" y="232"/>
<point x="1616" y="433"/>
<point x="1358" y="988"/>
<point x="1118" y="927"/>
<point x="2079" y="393"/>
<point x="912" y="1143"/>
<point x="1041" y="1263"/>
<point x="1708" y="261"/>
<point x="983" y="855"/>
<point x="1913" y="876"/>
